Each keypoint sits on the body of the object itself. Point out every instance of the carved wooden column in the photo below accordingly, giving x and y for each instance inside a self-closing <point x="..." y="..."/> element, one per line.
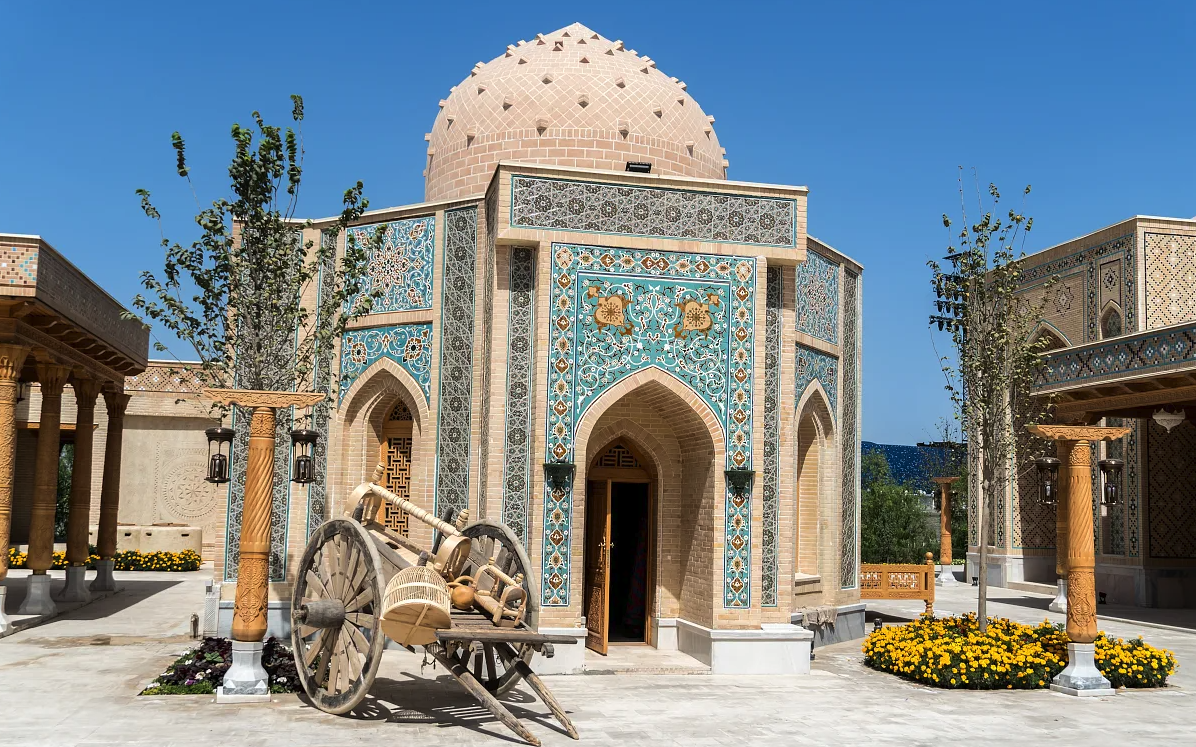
<point x="12" y="358"/>
<point x="86" y="391"/>
<point x="51" y="378"/>
<point x="1074" y="444"/>
<point x="246" y="676"/>
<point x="115" y="400"/>
<point x="946" y="575"/>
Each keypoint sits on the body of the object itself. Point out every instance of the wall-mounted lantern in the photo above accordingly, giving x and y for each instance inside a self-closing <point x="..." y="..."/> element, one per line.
<point x="558" y="474"/>
<point x="739" y="480"/>
<point x="221" y="438"/>
<point x="303" y="442"/>
<point x="1048" y="480"/>
<point x="1111" y="469"/>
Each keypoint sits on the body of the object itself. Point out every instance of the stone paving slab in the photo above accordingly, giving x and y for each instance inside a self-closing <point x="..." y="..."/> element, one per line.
<point x="73" y="682"/>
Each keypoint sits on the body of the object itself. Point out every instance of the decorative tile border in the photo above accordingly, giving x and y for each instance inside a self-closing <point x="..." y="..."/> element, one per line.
<point x="517" y="468"/>
<point x="1120" y="356"/>
<point x="402" y="267"/>
<point x="558" y="536"/>
<point x="1170" y="273"/>
<point x="618" y="311"/>
<point x="771" y="493"/>
<point x="814" y="365"/>
<point x="491" y="207"/>
<point x="849" y="556"/>
<point x="455" y="400"/>
<point x="317" y="489"/>
<point x="737" y="554"/>
<point x="816" y="298"/>
<point x="409" y="345"/>
<point x="595" y="207"/>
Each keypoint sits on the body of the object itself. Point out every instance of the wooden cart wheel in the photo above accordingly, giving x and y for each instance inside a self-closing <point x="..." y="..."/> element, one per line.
<point x="335" y="626"/>
<point x="490" y="539"/>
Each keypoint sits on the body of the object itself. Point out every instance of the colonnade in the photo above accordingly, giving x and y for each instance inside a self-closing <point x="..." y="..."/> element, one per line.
<point x="52" y="378"/>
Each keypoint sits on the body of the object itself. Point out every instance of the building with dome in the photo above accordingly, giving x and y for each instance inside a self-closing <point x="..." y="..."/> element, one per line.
<point x="650" y="372"/>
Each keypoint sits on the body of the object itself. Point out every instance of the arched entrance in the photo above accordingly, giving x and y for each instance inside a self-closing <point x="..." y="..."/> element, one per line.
<point x="620" y="547"/>
<point x="815" y="559"/>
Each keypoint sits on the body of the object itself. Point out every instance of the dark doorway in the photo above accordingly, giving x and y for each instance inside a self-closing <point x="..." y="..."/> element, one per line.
<point x="629" y="529"/>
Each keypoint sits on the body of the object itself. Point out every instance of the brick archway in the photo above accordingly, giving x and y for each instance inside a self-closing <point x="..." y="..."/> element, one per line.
<point x="817" y="485"/>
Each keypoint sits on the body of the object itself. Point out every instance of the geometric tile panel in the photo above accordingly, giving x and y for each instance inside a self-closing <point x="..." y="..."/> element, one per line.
<point x="817" y="298"/>
<point x="517" y="467"/>
<point x="618" y="311"/>
<point x="771" y="493"/>
<point x="455" y="402"/>
<point x="409" y="345"/>
<point x="590" y="207"/>
<point x="1092" y="261"/>
<point x="1136" y="353"/>
<point x="1033" y="521"/>
<point x="1170" y="279"/>
<point x="317" y="490"/>
<point x="18" y="265"/>
<point x="402" y="267"/>
<point x="849" y="555"/>
<point x="1171" y="497"/>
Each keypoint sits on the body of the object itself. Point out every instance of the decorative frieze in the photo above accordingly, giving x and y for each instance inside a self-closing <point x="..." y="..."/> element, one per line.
<point x="400" y="271"/>
<point x="409" y="345"/>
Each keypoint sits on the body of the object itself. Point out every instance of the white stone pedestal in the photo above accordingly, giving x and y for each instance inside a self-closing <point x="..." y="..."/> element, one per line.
<point x="37" y="596"/>
<point x="773" y="648"/>
<point x="76" y="585"/>
<point x="566" y="659"/>
<point x="104" y="580"/>
<point x="1059" y="603"/>
<point x="3" y="619"/>
<point x="246" y="680"/>
<point x="1080" y="676"/>
<point x="946" y="576"/>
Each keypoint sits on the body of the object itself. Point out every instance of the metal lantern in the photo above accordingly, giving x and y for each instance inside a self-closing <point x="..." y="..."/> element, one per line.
<point x="220" y="437"/>
<point x="304" y="443"/>
<point x="1111" y="469"/>
<point x="1048" y="480"/>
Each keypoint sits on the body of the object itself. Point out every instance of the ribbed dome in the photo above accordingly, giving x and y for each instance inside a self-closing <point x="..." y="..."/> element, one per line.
<point x="569" y="98"/>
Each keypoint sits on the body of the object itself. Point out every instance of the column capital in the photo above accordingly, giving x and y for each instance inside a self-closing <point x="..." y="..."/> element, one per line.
<point x="116" y="401"/>
<point x="86" y="388"/>
<point x="12" y="359"/>
<point x="52" y="377"/>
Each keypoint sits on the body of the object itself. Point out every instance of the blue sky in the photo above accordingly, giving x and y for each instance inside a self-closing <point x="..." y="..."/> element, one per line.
<point x="872" y="106"/>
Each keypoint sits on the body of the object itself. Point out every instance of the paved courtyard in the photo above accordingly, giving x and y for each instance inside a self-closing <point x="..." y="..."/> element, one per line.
<point x="73" y="681"/>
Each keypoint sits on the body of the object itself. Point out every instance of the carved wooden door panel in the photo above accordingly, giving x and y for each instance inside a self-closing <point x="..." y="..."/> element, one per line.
<point x="597" y="563"/>
<point x="396" y="449"/>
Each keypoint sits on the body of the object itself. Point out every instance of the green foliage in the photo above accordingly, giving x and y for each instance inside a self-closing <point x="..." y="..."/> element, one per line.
<point x="894" y="524"/>
<point x="245" y="287"/>
<point x="62" y="507"/>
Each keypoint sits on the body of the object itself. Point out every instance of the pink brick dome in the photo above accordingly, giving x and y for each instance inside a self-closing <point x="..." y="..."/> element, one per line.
<point x="569" y="98"/>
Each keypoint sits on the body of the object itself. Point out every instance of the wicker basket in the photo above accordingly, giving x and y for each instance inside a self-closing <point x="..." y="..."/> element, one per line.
<point x="416" y="605"/>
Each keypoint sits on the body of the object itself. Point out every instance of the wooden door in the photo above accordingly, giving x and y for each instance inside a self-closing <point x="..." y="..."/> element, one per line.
<point x="396" y="444"/>
<point x="597" y="563"/>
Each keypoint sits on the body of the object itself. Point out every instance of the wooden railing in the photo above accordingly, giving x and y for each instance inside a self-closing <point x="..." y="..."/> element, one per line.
<point x="898" y="581"/>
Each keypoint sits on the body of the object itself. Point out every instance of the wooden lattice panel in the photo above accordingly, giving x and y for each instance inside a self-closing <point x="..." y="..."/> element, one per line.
<point x="618" y="456"/>
<point x="398" y="480"/>
<point x="400" y="414"/>
<point x="898" y="581"/>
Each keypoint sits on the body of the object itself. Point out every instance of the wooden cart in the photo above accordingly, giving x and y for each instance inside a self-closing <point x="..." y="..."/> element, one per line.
<point x="337" y="606"/>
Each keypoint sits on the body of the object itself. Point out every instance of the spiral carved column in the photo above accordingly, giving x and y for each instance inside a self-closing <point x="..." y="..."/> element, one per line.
<point x="12" y="358"/>
<point x="253" y="570"/>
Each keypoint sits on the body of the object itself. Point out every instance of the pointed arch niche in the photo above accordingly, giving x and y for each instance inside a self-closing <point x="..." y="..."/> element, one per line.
<point x="1111" y="321"/>
<point x="816" y="560"/>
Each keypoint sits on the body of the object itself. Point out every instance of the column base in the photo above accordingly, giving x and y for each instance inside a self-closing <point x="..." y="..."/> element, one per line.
<point x="104" y="580"/>
<point x="37" y="596"/>
<point x="1081" y="677"/>
<point x="1059" y="603"/>
<point x="76" y="585"/>
<point x="946" y="576"/>
<point x="246" y="680"/>
<point x="3" y="620"/>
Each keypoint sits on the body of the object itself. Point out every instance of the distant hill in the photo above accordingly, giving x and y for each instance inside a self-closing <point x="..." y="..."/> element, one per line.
<point x="907" y="464"/>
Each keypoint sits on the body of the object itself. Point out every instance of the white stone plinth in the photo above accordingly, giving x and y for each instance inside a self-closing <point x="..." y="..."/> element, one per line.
<point x="3" y="619"/>
<point x="37" y="596"/>
<point x="566" y="659"/>
<point x="246" y="679"/>
<point x="1080" y="676"/>
<point x="76" y="585"/>
<point x="946" y="576"/>
<point x="1059" y="603"/>
<point x="664" y="633"/>
<point x="104" y="580"/>
<point x="773" y="648"/>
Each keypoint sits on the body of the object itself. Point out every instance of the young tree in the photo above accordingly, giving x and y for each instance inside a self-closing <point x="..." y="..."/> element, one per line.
<point x="242" y="294"/>
<point x="894" y="524"/>
<point x="995" y="362"/>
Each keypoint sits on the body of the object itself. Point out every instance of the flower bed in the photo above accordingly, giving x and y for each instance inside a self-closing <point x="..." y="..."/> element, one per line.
<point x="201" y="670"/>
<point x="128" y="560"/>
<point x="950" y="652"/>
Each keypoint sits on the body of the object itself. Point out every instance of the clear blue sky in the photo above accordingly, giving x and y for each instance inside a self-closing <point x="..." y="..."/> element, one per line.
<point x="870" y="105"/>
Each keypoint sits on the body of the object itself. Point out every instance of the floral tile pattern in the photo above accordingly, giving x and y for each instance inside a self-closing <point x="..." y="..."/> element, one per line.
<point x="402" y="267"/>
<point x="771" y="494"/>
<point x="816" y="297"/>
<point x="409" y="345"/>
<point x="815" y="365"/>
<point x="592" y="207"/>
<point x="517" y="469"/>
<point x="618" y="311"/>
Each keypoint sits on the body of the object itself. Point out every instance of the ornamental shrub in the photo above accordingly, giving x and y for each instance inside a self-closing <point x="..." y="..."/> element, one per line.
<point x="950" y="652"/>
<point x="128" y="560"/>
<point x="200" y="670"/>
